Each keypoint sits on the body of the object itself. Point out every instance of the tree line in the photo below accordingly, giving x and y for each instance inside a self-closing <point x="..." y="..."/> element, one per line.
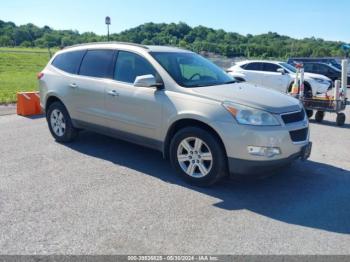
<point x="198" y="39"/>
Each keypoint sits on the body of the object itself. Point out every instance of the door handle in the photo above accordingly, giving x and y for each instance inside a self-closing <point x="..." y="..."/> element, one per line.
<point x="73" y="85"/>
<point x="113" y="93"/>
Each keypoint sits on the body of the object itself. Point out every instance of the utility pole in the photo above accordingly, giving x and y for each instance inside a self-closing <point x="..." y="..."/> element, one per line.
<point x="108" y="22"/>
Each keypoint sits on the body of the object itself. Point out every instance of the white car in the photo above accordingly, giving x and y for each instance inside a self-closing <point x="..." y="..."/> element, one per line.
<point x="279" y="76"/>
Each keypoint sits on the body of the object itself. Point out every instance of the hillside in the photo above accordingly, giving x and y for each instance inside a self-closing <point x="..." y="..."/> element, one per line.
<point x="199" y="38"/>
<point x="18" y="71"/>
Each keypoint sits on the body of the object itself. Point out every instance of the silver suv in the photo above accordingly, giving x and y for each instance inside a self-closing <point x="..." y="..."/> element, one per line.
<point x="174" y="101"/>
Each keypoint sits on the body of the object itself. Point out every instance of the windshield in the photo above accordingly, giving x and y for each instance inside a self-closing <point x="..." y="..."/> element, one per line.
<point x="335" y="68"/>
<point x="192" y="70"/>
<point x="289" y="67"/>
<point x="335" y="64"/>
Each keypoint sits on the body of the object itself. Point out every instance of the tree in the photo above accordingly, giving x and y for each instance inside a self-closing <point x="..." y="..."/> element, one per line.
<point x="198" y="39"/>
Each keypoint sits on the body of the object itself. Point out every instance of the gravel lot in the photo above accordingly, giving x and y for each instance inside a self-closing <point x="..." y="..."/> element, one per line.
<point x="104" y="196"/>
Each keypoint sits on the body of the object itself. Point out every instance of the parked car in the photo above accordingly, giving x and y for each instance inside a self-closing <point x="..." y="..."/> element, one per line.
<point x="279" y="76"/>
<point x="324" y="69"/>
<point x="329" y="61"/>
<point x="174" y="101"/>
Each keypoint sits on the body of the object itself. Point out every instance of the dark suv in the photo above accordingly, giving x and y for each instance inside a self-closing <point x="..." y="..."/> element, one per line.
<point x="324" y="69"/>
<point x="328" y="61"/>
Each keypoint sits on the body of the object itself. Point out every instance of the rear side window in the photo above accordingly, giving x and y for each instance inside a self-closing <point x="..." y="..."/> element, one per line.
<point x="69" y="61"/>
<point x="130" y="65"/>
<point x="253" y="66"/>
<point x="98" y="63"/>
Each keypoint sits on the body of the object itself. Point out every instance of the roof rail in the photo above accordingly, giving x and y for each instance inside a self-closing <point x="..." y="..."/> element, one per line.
<point x="106" y="43"/>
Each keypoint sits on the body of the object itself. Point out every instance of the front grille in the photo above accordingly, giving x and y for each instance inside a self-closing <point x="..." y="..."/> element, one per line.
<point x="293" y="117"/>
<point x="299" y="135"/>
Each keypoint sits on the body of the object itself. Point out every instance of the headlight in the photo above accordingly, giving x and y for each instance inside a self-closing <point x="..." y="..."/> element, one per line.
<point x="250" y="116"/>
<point x="322" y="81"/>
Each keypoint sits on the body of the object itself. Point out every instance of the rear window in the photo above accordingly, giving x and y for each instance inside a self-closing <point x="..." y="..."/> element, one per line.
<point x="253" y="66"/>
<point x="98" y="63"/>
<point x="69" y="61"/>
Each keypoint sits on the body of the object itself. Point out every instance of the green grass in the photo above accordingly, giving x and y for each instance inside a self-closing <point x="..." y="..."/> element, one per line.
<point x="18" y="71"/>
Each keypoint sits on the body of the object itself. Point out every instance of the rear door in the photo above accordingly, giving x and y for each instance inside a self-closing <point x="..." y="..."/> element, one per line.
<point x="254" y="73"/>
<point x="273" y="79"/>
<point x="67" y="65"/>
<point x="96" y="71"/>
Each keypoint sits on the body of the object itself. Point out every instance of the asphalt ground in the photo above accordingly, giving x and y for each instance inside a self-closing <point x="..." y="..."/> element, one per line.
<point x="100" y="195"/>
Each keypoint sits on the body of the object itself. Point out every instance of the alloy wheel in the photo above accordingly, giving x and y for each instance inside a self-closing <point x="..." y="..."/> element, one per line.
<point x="194" y="157"/>
<point x="58" y="122"/>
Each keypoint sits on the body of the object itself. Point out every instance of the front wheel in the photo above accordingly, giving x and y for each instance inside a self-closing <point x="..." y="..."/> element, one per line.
<point x="319" y="116"/>
<point x="340" y="119"/>
<point x="198" y="156"/>
<point x="309" y="113"/>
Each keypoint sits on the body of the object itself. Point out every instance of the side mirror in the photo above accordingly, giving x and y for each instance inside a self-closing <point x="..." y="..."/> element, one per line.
<point x="147" y="81"/>
<point x="282" y="71"/>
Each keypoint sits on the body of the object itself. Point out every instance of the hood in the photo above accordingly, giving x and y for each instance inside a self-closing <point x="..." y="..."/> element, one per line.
<point x="312" y="75"/>
<point x="252" y="96"/>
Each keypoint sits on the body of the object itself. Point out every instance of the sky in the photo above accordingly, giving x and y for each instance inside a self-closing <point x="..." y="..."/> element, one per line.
<point x="327" y="19"/>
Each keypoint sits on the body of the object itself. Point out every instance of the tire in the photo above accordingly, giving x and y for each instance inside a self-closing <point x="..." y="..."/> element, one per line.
<point x="60" y="123"/>
<point x="193" y="168"/>
<point x="307" y="90"/>
<point x="340" y="119"/>
<point x="319" y="116"/>
<point x="309" y="113"/>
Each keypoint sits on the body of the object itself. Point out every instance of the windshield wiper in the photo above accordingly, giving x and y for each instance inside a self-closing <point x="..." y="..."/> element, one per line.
<point x="230" y="82"/>
<point x="195" y="85"/>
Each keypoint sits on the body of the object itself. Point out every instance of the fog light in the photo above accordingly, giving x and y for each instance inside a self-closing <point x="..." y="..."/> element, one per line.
<point x="264" y="151"/>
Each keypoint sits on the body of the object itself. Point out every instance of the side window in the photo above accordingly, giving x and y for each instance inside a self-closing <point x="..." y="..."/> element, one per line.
<point x="130" y="65"/>
<point x="268" y="67"/>
<point x="253" y="67"/>
<point x="69" y="61"/>
<point x="322" y="69"/>
<point x="98" y="63"/>
<point x="308" y="67"/>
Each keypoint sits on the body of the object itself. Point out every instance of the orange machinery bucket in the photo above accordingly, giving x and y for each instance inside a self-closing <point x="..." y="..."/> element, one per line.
<point x="28" y="103"/>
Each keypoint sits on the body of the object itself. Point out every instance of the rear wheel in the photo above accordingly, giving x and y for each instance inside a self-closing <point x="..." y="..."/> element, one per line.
<point x="60" y="123"/>
<point x="340" y="119"/>
<point x="198" y="156"/>
<point x="307" y="90"/>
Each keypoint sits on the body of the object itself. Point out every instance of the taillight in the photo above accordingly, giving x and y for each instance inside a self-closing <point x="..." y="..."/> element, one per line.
<point x="40" y="75"/>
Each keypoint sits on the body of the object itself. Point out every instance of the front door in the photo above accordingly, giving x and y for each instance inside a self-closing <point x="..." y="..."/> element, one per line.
<point x="274" y="79"/>
<point x="134" y="110"/>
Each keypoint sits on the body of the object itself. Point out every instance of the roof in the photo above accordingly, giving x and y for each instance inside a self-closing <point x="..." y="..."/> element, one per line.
<point x="259" y="61"/>
<point x="150" y="48"/>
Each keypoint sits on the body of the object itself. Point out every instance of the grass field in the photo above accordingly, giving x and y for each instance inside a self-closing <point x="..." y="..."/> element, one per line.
<point x="18" y="70"/>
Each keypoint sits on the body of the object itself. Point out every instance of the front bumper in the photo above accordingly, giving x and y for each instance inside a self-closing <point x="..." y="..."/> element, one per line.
<point x="237" y="139"/>
<point x="241" y="166"/>
<point x="322" y="88"/>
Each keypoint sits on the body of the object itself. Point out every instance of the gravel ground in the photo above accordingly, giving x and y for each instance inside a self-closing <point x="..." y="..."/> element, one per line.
<point x="99" y="195"/>
<point x="8" y="109"/>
